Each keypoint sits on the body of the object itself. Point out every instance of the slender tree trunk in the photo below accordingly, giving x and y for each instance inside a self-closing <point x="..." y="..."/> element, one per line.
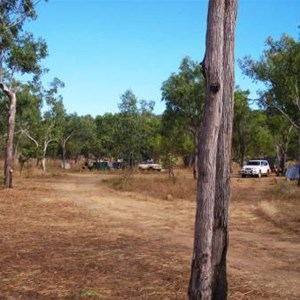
<point x="282" y="161"/>
<point x="63" y="145"/>
<point x="278" y="154"/>
<point x="208" y="274"/>
<point x="43" y="164"/>
<point x="9" y="149"/>
<point x="242" y="151"/>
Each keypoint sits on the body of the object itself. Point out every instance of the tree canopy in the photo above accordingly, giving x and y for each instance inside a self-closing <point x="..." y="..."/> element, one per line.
<point x="279" y="69"/>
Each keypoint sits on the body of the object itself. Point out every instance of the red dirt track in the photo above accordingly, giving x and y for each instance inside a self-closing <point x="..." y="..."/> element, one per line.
<point x="72" y="237"/>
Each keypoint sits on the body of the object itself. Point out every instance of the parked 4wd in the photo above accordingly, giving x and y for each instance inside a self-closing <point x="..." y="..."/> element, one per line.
<point x="256" y="168"/>
<point x="150" y="165"/>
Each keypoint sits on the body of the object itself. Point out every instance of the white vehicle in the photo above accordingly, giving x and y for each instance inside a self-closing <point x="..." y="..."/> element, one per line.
<point x="256" y="168"/>
<point x="150" y="165"/>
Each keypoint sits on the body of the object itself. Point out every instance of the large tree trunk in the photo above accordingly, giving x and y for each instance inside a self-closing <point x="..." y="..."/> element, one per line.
<point x="208" y="274"/>
<point x="200" y="286"/>
<point x="9" y="149"/>
<point x="223" y="191"/>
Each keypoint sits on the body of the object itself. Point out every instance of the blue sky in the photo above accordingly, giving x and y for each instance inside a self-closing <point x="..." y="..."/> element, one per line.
<point x="101" y="48"/>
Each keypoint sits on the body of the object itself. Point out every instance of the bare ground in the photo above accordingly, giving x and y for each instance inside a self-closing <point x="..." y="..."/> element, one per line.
<point x="73" y="237"/>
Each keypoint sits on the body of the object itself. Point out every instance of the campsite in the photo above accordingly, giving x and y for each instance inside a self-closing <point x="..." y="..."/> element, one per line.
<point x="149" y="150"/>
<point x="85" y="235"/>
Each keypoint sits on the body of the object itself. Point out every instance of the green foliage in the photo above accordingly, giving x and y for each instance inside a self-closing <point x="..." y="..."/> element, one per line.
<point x="261" y="141"/>
<point x="37" y="130"/>
<point x="85" y="139"/>
<point x="279" y="69"/>
<point x="19" y="51"/>
<point x="184" y="96"/>
<point x="136" y="128"/>
<point x="252" y="137"/>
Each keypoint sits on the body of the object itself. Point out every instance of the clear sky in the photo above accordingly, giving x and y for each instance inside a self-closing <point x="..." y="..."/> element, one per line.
<point x="101" y="48"/>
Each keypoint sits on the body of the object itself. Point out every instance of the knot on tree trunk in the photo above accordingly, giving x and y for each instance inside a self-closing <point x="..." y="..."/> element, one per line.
<point x="215" y="87"/>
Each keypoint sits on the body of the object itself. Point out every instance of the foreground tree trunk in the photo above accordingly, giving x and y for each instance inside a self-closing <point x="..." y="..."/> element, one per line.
<point x="201" y="274"/>
<point x="223" y="191"/>
<point x="9" y="149"/>
<point x="208" y="272"/>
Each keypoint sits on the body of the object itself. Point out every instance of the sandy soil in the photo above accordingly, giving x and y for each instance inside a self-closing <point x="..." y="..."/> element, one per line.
<point x="72" y="237"/>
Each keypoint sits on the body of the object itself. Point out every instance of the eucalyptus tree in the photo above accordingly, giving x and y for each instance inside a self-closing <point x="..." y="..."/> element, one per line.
<point x="261" y="141"/>
<point x="241" y="123"/>
<point x="150" y="131"/>
<point x="176" y="140"/>
<point x="28" y="117"/>
<point x="84" y="140"/>
<point x="208" y="272"/>
<point x="279" y="69"/>
<point x="20" y="54"/>
<point x="69" y="127"/>
<point x="183" y="94"/>
<point x="106" y="127"/>
<point x="282" y="132"/>
<point x="127" y="133"/>
<point x="132" y="134"/>
<point x="47" y="129"/>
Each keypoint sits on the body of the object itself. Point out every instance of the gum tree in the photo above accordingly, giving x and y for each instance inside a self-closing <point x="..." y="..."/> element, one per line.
<point x="279" y="69"/>
<point x="20" y="54"/>
<point x="184" y="96"/>
<point x="49" y="127"/>
<point x="208" y="272"/>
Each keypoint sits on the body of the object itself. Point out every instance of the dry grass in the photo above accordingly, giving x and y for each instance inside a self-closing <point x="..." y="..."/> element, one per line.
<point x="281" y="206"/>
<point x="70" y="237"/>
<point x="157" y="185"/>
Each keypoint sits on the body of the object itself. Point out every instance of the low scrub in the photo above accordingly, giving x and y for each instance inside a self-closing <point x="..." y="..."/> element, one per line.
<point x="156" y="185"/>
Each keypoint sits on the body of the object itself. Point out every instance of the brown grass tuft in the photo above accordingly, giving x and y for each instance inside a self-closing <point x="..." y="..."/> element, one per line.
<point x="156" y="185"/>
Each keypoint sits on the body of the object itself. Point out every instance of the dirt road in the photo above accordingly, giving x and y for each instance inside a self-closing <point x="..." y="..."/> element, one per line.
<point x="72" y="237"/>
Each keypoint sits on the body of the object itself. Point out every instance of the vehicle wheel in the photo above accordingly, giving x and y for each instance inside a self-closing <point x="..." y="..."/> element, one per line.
<point x="259" y="174"/>
<point x="268" y="173"/>
<point x="243" y="175"/>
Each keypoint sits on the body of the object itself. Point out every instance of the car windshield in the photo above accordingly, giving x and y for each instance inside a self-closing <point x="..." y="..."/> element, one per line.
<point x="253" y="163"/>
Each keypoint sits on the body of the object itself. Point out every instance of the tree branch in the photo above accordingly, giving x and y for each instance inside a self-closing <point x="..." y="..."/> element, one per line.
<point x="6" y="89"/>
<point x="287" y="117"/>
<point x="23" y="15"/>
<point x="29" y="137"/>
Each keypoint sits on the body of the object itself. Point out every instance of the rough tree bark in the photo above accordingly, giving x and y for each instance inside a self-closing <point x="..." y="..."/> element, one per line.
<point x="9" y="149"/>
<point x="201" y="273"/>
<point x="223" y="191"/>
<point x="208" y="272"/>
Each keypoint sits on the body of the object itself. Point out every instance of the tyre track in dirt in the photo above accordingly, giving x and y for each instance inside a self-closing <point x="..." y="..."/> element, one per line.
<point x="258" y="252"/>
<point x="131" y="211"/>
<point x="82" y="236"/>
